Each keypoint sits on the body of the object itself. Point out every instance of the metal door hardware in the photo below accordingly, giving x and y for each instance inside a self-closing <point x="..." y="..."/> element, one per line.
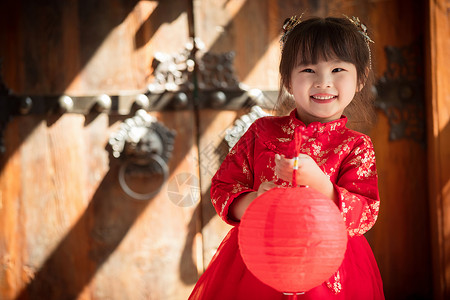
<point x="145" y="146"/>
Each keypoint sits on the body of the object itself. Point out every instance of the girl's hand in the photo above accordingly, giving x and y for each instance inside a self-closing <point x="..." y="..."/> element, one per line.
<point x="308" y="173"/>
<point x="265" y="186"/>
<point x="240" y="204"/>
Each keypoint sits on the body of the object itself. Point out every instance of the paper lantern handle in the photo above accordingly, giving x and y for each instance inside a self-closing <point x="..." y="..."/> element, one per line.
<point x="297" y="143"/>
<point x="294" y="172"/>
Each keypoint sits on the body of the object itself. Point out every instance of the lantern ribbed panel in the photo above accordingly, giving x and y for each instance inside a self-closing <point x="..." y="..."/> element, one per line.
<point x="292" y="239"/>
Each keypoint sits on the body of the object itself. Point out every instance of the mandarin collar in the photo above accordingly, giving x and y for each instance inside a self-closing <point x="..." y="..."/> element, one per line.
<point x="316" y="127"/>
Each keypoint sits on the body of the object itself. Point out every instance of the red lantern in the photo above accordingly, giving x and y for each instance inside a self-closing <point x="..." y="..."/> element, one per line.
<point x="292" y="239"/>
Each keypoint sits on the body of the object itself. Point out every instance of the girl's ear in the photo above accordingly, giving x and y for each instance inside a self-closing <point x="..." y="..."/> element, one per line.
<point x="287" y="87"/>
<point x="360" y="87"/>
<point x="362" y="83"/>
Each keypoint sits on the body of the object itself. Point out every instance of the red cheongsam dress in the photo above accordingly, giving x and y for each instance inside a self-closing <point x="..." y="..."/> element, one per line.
<point x="347" y="157"/>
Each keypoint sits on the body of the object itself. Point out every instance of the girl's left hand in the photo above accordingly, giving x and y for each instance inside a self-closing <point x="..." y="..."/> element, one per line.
<point x="308" y="173"/>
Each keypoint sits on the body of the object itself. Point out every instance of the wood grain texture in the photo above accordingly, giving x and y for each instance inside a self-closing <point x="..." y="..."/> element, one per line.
<point x="12" y="273"/>
<point x="212" y="151"/>
<point x="403" y="222"/>
<point x="438" y="108"/>
<point x="68" y="231"/>
<point x="87" y="47"/>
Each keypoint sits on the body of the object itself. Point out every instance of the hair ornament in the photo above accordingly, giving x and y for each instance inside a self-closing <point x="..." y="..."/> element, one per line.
<point x="361" y="28"/>
<point x="288" y="26"/>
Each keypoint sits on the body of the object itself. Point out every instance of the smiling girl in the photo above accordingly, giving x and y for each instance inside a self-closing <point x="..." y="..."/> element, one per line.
<point x="325" y="70"/>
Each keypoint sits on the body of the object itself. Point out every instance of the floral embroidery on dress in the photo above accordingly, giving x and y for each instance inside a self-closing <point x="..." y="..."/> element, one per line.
<point x="238" y="188"/>
<point x="246" y="171"/>
<point x="288" y="129"/>
<point x="365" y="162"/>
<point x="344" y="148"/>
<point x="284" y="140"/>
<point x="316" y="149"/>
<point x="224" y="204"/>
<point x="334" y="283"/>
<point x="368" y="213"/>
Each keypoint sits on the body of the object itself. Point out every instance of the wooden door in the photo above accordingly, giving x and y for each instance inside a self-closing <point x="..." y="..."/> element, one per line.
<point x="438" y="108"/>
<point x="67" y="230"/>
<point x="404" y="221"/>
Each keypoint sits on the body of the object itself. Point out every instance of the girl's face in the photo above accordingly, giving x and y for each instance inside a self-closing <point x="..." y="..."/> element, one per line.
<point x="322" y="91"/>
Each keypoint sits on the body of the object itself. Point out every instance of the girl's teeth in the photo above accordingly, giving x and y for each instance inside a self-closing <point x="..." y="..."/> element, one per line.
<point x="322" y="97"/>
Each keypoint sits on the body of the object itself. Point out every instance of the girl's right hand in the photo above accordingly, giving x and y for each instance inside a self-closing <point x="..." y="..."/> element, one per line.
<point x="240" y="204"/>
<point x="265" y="186"/>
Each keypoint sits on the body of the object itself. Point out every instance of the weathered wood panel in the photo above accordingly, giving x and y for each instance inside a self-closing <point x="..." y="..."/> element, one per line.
<point x="71" y="232"/>
<point x="87" y="47"/>
<point x="212" y="151"/>
<point x="438" y="91"/>
<point x="68" y="231"/>
<point x="400" y="239"/>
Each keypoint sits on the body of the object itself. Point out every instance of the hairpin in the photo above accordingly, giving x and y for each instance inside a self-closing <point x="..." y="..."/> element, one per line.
<point x="363" y="30"/>
<point x="361" y="27"/>
<point x="288" y="26"/>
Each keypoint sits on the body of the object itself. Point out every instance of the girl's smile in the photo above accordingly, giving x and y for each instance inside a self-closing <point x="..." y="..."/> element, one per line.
<point x="323" y="98"/>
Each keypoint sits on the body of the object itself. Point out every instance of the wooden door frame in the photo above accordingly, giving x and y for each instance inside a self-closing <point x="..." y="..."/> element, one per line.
<point x="438" y="111"/>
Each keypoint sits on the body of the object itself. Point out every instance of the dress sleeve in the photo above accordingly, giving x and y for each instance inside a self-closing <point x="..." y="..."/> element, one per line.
<point x="357" y="187"/>
<point x="235" y="175"/>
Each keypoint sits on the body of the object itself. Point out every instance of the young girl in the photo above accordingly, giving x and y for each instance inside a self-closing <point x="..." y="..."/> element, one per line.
<point x="325" y="67"/>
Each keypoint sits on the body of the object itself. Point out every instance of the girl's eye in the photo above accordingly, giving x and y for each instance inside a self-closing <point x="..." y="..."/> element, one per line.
<point x="308" y="70"/>
<point x="338" y="70"/>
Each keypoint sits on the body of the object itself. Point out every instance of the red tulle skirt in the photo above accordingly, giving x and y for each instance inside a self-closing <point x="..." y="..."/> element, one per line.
<point x="228" y="278"/>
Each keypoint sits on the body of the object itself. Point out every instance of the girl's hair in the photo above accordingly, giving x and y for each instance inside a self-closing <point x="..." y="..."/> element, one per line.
<point x="329" y="38"/>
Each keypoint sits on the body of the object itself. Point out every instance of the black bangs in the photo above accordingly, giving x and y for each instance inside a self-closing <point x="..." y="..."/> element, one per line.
<point x="326" y="39"/>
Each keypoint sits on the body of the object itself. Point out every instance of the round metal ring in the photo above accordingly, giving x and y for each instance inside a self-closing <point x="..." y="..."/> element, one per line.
<point x="128" y="190"/>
